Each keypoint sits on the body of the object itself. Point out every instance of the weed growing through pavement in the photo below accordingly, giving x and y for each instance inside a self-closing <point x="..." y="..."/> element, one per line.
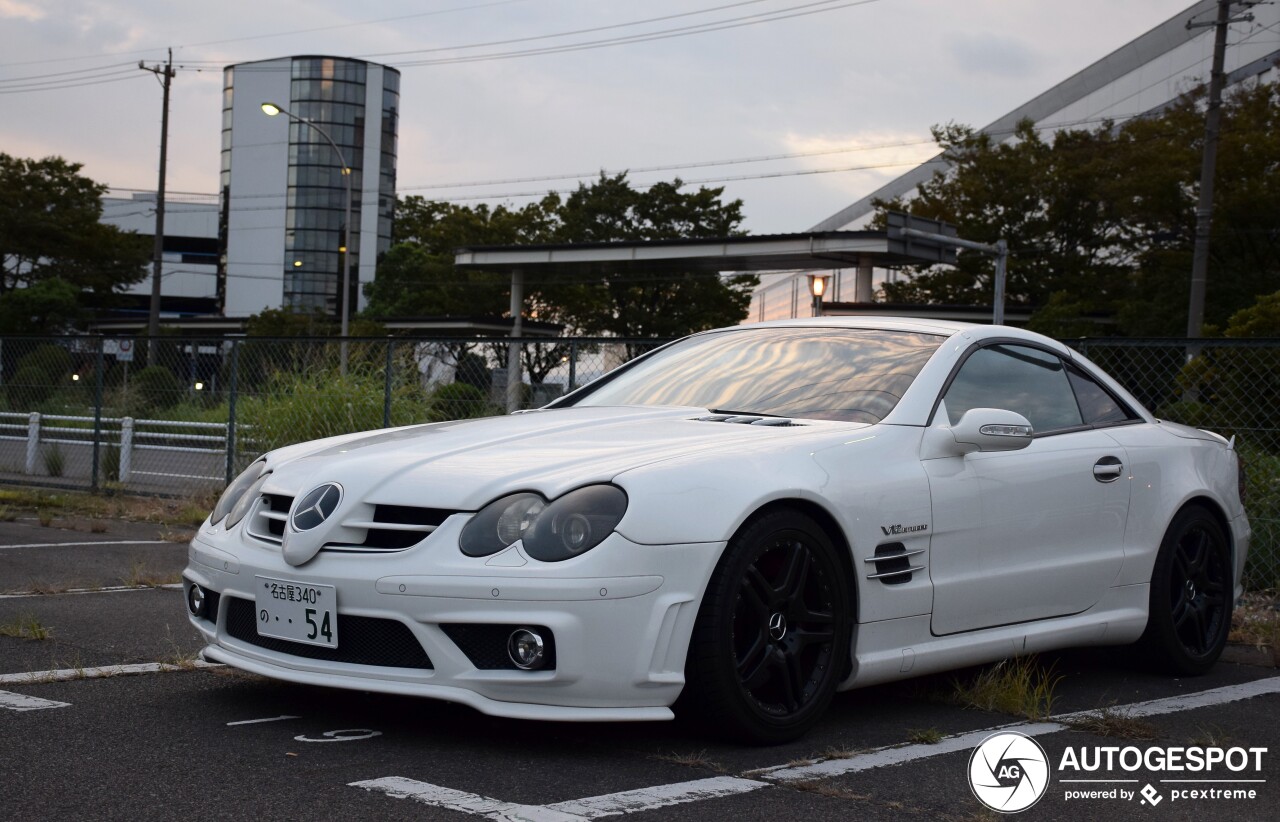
<point x="1111" y="722"/>
<point x="142" y="576"/>
<point x="45" y="517"/>
<point x="1019" y="686"/>
<point x="7" y="514"/>
<point x="1211" y="736"/>
<point x="693" y="759"/>
<point x="24" y="626"/>
<point x="924" y="736"/>
<point x="822" y="788"/>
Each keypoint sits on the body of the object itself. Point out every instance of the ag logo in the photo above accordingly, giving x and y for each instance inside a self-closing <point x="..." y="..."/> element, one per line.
<point x="1009" y="772"/>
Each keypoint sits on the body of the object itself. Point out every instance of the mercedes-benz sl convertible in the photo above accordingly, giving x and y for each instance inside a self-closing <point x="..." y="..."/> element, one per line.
<point x="738" y="524"/>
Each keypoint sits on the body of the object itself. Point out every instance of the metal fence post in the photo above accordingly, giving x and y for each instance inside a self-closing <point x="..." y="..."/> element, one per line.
<point x="231" y="410"/>
<point x="97" y="415"/>
<point x="33" y="441"/>
<point x="573" y="364"/>
<point x="126" y="449"/>
<point x="386" y="388"/>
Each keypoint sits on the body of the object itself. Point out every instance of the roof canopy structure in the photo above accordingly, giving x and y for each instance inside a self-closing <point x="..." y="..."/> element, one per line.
<point x="774" y="252"/>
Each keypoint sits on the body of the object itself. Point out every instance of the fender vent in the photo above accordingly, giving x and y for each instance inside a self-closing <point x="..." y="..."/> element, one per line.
<point x="892" y="563"/>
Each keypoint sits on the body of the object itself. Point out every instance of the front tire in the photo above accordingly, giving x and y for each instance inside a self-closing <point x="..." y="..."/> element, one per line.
<point x="773" y="634"/>
<point x="1189" y="614"/>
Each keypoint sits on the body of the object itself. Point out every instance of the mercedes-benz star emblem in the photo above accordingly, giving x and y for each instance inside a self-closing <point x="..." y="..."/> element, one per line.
<point x="777" y="626"/>
<point x="317" y="506"/>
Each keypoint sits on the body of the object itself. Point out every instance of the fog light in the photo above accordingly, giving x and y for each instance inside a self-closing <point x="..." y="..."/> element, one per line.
<point x="195" y="600"/>
<point x="526" y="649"/>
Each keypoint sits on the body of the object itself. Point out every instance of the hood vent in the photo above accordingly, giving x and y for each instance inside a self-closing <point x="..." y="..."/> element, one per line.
<point x="750" y="419"/>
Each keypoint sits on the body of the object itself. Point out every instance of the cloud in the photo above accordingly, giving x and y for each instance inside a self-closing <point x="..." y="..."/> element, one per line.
<point x="991" y="54"/>
<point x="866" y="158"/>
<point x="18" y="10"/>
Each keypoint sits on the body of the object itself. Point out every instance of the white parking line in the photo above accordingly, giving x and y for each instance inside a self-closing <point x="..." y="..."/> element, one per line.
<point x="109" y="589"/>
<point x="65" y="674"/>
<point x="258" y="721"/>
<point x="22" y="702"/>
<point x="399" y="787"/>
<point x="950" y="744"/>
<point x="593" y="807"/>
<point x="91" y="542"/>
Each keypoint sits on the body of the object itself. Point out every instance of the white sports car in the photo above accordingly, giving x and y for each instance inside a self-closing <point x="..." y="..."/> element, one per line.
<point x="747" y="519"/>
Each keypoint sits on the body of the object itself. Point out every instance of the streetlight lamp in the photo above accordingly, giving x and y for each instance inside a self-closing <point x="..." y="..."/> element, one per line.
<point x="817" y="287"/>
<point x="271" y="110"/>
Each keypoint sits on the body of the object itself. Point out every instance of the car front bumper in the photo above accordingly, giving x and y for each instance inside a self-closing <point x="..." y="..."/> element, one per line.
<point x="621" y="616"/>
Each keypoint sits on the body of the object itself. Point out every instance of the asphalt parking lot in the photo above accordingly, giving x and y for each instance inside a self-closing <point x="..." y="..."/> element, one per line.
<point x="111" y="716"/>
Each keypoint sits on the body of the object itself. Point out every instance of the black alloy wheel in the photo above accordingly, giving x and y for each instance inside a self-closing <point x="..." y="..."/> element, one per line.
<point x="1191" y="594"/>
<point x="772" y="637"/>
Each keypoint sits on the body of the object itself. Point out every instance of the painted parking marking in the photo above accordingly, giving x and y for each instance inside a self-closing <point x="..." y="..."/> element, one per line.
<point x="881" y="757"/>
<point x="399" y="787"/>
<point x="345" y="735"/>
<point x="109" y="589"/>
<point x="21" y="702"/>
<point x="91" y="542"/>
<point x="594" y="807"/>
<point x="260" y="721"/>
<point x="65" y="674"/>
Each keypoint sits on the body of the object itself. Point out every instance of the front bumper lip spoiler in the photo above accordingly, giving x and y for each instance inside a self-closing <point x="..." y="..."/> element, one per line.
<point x="491" y="707"/>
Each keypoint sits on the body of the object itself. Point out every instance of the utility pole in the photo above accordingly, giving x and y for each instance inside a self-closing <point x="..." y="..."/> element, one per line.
<point x="1204" y="208"/>
<point x="157" y="254"/>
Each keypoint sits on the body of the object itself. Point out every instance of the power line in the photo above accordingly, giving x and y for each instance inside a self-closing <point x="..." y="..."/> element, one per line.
<point x="62" y="73"/>
<point x="112" y="79"/>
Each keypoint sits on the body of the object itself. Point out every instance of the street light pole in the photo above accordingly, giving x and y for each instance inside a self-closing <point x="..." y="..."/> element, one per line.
<point x="271" y="110"/>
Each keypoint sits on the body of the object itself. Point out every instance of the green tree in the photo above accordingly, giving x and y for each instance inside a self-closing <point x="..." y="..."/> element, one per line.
<point x="50" y="232"/>
<point x="417" y="277"/>
<point x="1101" y="222"/>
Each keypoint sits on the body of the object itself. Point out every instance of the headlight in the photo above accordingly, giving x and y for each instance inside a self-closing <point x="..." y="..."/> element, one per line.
<point x="235" y="491"/>
<point x="246" y="501"/>
<point x="564" y="528"/>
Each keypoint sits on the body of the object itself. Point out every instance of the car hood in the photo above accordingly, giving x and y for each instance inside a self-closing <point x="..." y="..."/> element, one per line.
<point x="465" y="464"/>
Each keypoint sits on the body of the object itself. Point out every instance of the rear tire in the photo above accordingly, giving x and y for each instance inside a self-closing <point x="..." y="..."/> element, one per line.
<point x="772" y="636"/>
<point x="1192" y="593"/>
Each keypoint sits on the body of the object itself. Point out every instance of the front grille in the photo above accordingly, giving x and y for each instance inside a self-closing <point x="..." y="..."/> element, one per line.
<point x="268" y="518"/>
<point x="361" y="640"/>
<point x="393" y="528"/>
<point x="486" y="645"/>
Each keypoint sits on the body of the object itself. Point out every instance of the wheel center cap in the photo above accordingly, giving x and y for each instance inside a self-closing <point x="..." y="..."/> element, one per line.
<point x="777" y="626"/>
<point x="1191" y="590"/>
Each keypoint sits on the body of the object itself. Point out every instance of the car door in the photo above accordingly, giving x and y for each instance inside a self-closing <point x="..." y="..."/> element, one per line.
<point x="1027" y="534"/>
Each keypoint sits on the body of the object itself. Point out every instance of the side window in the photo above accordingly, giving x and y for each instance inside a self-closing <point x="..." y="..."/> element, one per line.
<point x="1097" y="405"/>
<point x="1016" y="378"/>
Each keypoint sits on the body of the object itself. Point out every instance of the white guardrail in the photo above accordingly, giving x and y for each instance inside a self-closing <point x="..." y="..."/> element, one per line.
<point x="128" y="434"/>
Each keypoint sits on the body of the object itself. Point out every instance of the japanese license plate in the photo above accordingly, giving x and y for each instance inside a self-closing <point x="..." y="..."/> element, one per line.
<point x="298" y="611"/>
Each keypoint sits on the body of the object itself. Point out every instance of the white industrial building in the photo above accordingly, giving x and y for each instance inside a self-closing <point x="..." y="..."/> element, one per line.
<point x="281" y="225"/>
<point x="189" y="267"/>
<point x="1140" y="78"/>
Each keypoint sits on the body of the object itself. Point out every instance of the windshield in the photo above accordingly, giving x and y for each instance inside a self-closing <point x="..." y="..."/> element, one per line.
<point x="852" y="375"/>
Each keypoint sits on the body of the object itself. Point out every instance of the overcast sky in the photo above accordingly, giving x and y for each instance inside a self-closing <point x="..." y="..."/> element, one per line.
<point x="833" y="76"/>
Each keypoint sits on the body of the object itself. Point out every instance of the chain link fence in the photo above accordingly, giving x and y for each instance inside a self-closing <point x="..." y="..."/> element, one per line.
<point x="175" y="415"/>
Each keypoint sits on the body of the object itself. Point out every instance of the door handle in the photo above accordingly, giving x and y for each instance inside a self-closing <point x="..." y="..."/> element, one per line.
<point x="1108" y="469"/>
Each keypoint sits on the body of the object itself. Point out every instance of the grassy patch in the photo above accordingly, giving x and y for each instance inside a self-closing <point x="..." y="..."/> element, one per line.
<point x="7" y="514"/>
<point x="838" y="753"/>
<point x="24" y="626"/>
<point x="180" y="513"/>
<point x="142" y="575"/>
<point x="924" y="736"/>
<point x="1020" y="686"/>
<point x="1111" y="722"/>
<point x="1256" y="621"/>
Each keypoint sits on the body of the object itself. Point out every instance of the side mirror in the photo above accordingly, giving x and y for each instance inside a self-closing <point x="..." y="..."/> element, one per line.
<point x="991" y="429"/>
